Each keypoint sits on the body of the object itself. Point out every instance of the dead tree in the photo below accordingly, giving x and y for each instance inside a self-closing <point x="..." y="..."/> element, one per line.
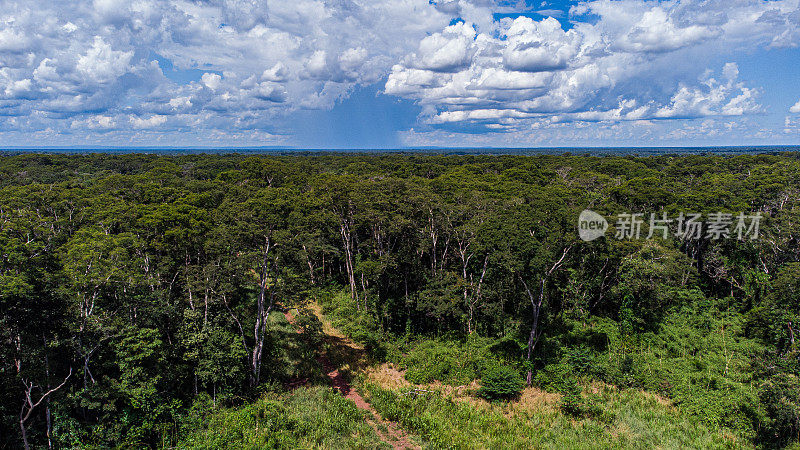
<point x="29" y="405"/>
<point x="536" y="304"/>
<point x="266" y="300"/>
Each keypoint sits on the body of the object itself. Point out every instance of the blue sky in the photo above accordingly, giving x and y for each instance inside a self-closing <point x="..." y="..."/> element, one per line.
<point x="399" y="73"/>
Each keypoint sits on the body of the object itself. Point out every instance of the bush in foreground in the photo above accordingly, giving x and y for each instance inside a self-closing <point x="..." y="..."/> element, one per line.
<point x="500" y="383"/>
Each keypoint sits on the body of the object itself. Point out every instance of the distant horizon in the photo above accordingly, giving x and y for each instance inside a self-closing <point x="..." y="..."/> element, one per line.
<point x="697" y="149"/>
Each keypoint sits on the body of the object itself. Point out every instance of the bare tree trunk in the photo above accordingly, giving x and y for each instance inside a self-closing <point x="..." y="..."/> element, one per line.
<point x="346" y="231"/>
<point x="188" y="283"/>
<point x="364" y="284"/>
<point x="475" y="295"/>
<point x="205" y="305"/>
<point x="534" y="335"/>
<point x="536" y="304"/>
<point x="310" y="266"/>
<point x="259" y="331"/>
<point x="28" y="405"/>
<point x="347" y="240"/>
<point x="434" y="240"/>
<point x="463" y="246"/>
<point x="23" y="429"/>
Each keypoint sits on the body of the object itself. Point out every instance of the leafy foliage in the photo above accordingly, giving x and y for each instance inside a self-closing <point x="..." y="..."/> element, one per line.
<point x="134" y="286"/>
<point x="500" y="383"/>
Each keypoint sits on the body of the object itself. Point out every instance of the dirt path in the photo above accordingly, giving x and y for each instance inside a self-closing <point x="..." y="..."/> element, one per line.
<point x="340" y="358"/>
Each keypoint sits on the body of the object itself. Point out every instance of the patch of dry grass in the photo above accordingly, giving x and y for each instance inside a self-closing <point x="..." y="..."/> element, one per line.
<point x="387" y="376"/>
<point x="532" y="399"/>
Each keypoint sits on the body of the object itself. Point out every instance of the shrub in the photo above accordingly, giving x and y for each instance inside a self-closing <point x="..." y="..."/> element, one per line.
<point x="449" y="361"/>
<point x="575" y="404"/>
<point x="444" y="361"/>
<point x="581" y="359"/>
<point x="572" y="401"/>
<point x="500" y="383"/>
<point x="555" y="378"/>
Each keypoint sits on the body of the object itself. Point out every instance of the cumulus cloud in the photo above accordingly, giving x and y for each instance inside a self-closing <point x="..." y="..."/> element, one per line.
<point x="13" y="41"/>
<point x="621" y="61"/>
<point x="447" y="51"/>
<point x="539" y="46"/>
<point x="103" y="64"/>
<point x="277" y="73"/>
<point x="236" y="66"/>
<point x="180" y="102"/>
<point x="795" y="108"/>
<point x="352" y="59"/>
<point x="96" y="122"/>
<point x="712" y="98"/>
<point x="14" y="88"/>
<point x="222" y="64"/>
<point x="149" y="122"/>
<point x="211" y="80"/>
<point x="654" y="30"/>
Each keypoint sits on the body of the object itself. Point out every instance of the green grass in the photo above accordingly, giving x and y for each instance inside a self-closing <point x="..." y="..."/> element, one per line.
<point x="314" y="417"/>
<point x="629" y="419"/>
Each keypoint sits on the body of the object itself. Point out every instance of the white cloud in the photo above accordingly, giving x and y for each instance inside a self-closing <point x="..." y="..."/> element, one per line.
<point x="211" y="80"/>
<point x="15" y="88"/>
<point x="539" y="46"/>
<point x="447" y="51"/>
<point x="239" y="66"/>
<point x="269" y="91"/>
<point x="277" y="73"/>
<point x="45" y="72"/>
<point x="791" y="125"/>
<point x="100" y="56"/>
<point x="352" y="59"/>
<point x="150" y="122"/>
<point x="13" y="41"/>
<point x="546" y="132"/>
<point x="98" y="122"/>
<point x="628" y="62"/>
<point x="180" y="102"/>
<point x="69" y="27"/>
<point x="795" y="108"/>
<point x="103" y="64"/>
<point x="656" y="31"/>
<point x="712" y="98"/>
<point x="317" y="64"/>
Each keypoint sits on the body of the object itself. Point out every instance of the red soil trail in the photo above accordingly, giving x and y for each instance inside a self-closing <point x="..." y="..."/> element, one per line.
<point x="351" y="357"/>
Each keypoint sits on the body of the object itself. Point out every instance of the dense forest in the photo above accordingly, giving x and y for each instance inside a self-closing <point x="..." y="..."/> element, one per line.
<point x="142" y="297"/>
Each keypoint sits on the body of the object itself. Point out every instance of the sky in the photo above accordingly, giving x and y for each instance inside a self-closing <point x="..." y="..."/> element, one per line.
<point x="399" y="73"/>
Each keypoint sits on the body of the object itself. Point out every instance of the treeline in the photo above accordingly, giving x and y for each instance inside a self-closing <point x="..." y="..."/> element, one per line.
<point x="132" y="285"/>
